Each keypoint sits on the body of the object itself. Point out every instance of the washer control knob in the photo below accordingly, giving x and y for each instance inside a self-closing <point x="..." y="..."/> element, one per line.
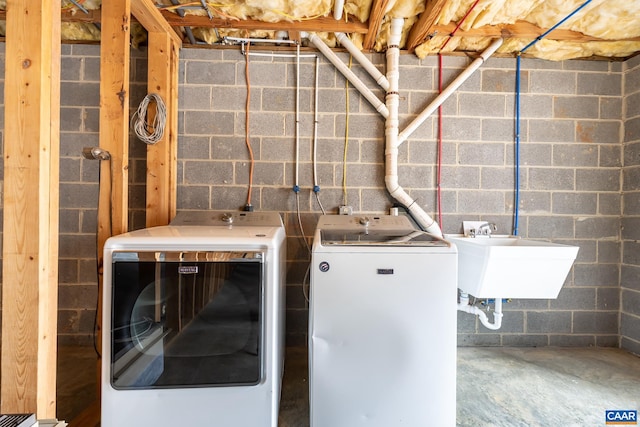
<point x="227" y="217"/>
<point x="364" y="221"/>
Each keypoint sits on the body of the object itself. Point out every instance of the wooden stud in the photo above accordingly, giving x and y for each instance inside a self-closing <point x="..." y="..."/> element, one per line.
<point x="162" y="156"/>
<point x="146" y="12"/>
<point x="31" y="208"/>
<point x="114" y="136"/>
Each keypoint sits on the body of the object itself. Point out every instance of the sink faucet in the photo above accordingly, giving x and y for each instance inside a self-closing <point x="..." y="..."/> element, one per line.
<point x="483" y="230"/>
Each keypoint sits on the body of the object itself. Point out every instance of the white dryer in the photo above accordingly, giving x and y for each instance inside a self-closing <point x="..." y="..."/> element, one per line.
<point x="193" y="325"/>
<point x="382" y="327"/>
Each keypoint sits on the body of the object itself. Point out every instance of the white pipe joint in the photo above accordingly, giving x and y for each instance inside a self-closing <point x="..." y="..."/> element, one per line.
<point x="455" y="84"/>
<point x="349" y="75"/>
<point x="464" y="306"/>
<point x="377" y="75"/>
<point x="338" y="9"/>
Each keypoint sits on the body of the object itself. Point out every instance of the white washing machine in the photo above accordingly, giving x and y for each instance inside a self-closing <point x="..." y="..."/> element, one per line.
<point x="193" y="325"/>
<point x="382" y="328"/>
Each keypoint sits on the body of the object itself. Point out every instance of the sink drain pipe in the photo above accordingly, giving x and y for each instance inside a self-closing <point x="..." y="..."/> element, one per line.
<point x="464" y="305"/>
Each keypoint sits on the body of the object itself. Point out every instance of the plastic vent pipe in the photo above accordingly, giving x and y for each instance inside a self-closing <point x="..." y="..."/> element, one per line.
<point x="363" y="60"/>
<point x="411" y="127"/>
<point x="348" y="74"/>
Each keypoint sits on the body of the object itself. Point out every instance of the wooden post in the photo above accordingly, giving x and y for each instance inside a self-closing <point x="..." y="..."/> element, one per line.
<point x="162" y="156"/>
<point x="31" y="205"/>
<point x="114" y="135"/>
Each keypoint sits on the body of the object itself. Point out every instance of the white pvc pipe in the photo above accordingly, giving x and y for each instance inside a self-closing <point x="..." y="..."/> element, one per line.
<point x="338" y="8"/>
<point x="472" y="309"/>
<point x="391" y="135"/>
<point x="411" y="127"/>
<point x="348" y="74"/>
<point x="363" y="60"/>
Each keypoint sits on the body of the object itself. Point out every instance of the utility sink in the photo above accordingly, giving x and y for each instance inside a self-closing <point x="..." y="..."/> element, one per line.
<point x="500" y="266"/>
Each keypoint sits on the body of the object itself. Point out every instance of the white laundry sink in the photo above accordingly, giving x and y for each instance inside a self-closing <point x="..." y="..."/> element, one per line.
<point x="511" y="267"/>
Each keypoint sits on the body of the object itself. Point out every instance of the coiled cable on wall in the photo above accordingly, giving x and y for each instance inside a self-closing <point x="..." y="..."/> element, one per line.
<point x="150" y="132"/>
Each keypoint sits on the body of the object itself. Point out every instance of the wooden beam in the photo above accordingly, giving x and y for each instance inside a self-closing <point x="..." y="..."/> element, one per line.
<point x="31" y="208"/>
<point x="149" y="16"/>
<point x="114" y="112"/>
<point x="375" y="21"/>
<point x="323" y="24"/>
<point x="424" y="27"/>
<point x="113" y="202"/>
<point x="162" y="162"/>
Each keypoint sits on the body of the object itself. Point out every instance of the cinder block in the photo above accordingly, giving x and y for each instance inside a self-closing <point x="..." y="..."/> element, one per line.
<point x="481" y="154"/>
<point x="575" y="155"/>
<point x="416" y="78"/>
<point x="375" y="200"/>
<point x="553" y="82"/>
<point x="232" y="198"/>
<point x="498" y="178"/>
<point x="79" y="94"/>
<point x="264" y="74"/>
<point x="481" y="105"/>
<point x="208" y="173"/>
<point x="557" y="322"/>
<point x="610" y="108"/>
<point x="196" y="97"/>
<point x="332" y="100"/>
<point x="69" y="169"/>
<point x="534" y="154"/>
<point x="573" y="298"/>
<point x="204" y="72"/>
<point x="599" y="228"/>
<point x="596" y="274"/>
<point x="69" y="221"/>
<point x="599" y="84"/>
<point x="535" y="106"/>
<point x="479" y="340"/>
<point x="632" y="105"/>
<point x="609" y="251"/>
<point x="610" y="156"/>
<point x="193" y="197"/>
<point x="632" y="130"/>
<point x="208" y="123"/>
<point x="194" y="147"/>
<point x="608" y="132"/>
<point x="598" y="180"/>
<point x="502" y="80"/>
<point x="574" y="204"/>
<point x="70" y="68"/>
<point x="91" y="69"/>
<point x="551" y="131"/>
<point x="481" y="202"/>
<point x="76" y="195"/>
<point x="551" y="179"/>
<point x="572" y="340"/>
<point x="630" y="327"/>
<point x="535" y="202"/>
<point x="278" y="199"/>
<point x="604" y="322"/>
<point x="77" y="245"/>
<point x="525" y="340"/>
<point x="608" y="298"/>
<point x="550" y="227"/>
<point x="632" y="203"/>
<point x="467" y="177"/>
<point x="498" y="130"/>
<point x="583" y="107"/>
<point x="630" y="176"/>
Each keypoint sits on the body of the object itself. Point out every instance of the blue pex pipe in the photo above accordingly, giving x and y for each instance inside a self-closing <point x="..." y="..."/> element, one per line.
<point x="516" y="201"/>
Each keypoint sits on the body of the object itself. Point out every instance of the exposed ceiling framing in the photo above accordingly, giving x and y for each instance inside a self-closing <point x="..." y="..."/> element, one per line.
<point x="424" y="31"/>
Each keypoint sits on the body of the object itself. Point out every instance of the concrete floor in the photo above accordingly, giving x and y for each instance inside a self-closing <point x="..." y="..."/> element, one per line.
<point x="513" y="386"/>
<point x="496" y="386"/>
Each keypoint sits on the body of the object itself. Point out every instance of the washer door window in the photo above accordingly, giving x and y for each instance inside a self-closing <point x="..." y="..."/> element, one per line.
<point x="186" y="319"/>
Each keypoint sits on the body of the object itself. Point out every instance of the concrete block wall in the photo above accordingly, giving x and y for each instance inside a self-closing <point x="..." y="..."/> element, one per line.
<point x="630" y="270"/>
<point x="571" y="156"/>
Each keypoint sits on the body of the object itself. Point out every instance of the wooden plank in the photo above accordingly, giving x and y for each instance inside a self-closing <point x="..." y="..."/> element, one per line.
<point x="324" y="24"/>
<point x="425" y="25"/>
<point x="162" y="156"/>
<point x="149" y="16"/>
<point x="375" y="21"/>
<point x="31" y="206"/>
<point x="520" y="29"/>
<point x="113" y="202"/>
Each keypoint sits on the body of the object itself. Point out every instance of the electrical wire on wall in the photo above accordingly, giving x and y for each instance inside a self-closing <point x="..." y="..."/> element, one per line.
<point x="248" y="206"/>
<point x="516" y="192"/>
<point x="346" y="138"/>
<point x="150" y="132"/>
<point x="440" y="150"/>
<point x="316" y="186"/>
